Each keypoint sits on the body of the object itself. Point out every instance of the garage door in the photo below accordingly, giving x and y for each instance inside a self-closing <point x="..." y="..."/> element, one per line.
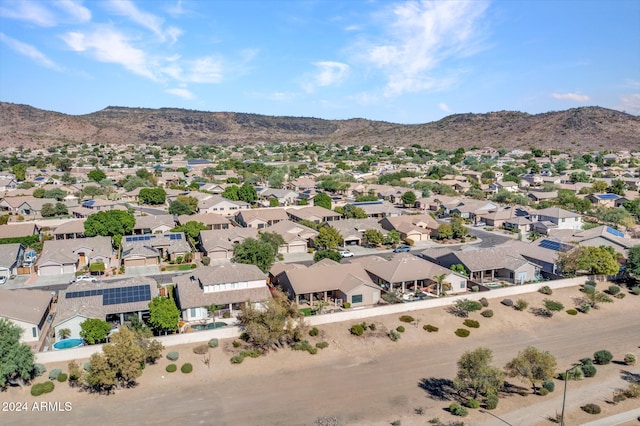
<point x="48" y="270"/>
<point x="134" y="262"/>
<point x="299" y="248"/>
<point x="221" y="254"/>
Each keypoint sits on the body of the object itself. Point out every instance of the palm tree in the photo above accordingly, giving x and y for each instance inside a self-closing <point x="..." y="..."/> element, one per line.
<point x="440" y="283"/>
<point x="64" y="333"/>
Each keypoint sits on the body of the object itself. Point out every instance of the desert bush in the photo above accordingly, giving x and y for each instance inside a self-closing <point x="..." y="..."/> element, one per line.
<point x="251" y="353"/>
<point x="394" y="335"/>
<point x="588" y="288"/>
<point x="546" y="290"/>
<point x="171" y="368"/>
<point x="484" y="302"/>
<point x="589" y="370"/>
<point x="632" y="391"/>
<point x="584" y="307"/>
<point x="507" y="302"/>
<point x="430" y="328"/>
<point x="314" y="332"/>
<point x="201" y="349"/>
<point x="586" y="361"/>
<point x="553" y="305"/>
<point x="39" y="369"/>
<point x="173" y="356"/>
<point x="400" y="329"/>
<point x="620" y="296"/>
<point x="591" y="408"/>
<point x="213" y="343"/>
<point x="487" y="313"/>
<point x="602" y="357"/>
<point x="630" y="359"/>
<point x="322" y="345"/>
<point x="572" y="312"/>
<point x="372" y="326"/>
<point x="407" y="319"/>
<point x="357" y="330"/>
<point x="467" y="305"/>
<point x="619" y="397"/>
<point x="462" y="332"/>
<point x="457" y="409"/>
<point x="186" y="368"/>
<point x="237" y="359"/>
<point x="53" y="374"/>
<point x="550" y="386"/>
<point x="635" y="290"/>
<point x="40" y="388"/>
<point x="62" y="377"/>
<point x="473" y="403"/>
<point x="305" y="346"/>
<point x="613" y="290"/>
<point x="591" y="283"/>
<point x="471" y="323"/>
<point x="491" y="403"/>
<point x="574" y="374"/>
<point x="475" y="288"/>
<point x="86" y="366"/>
<point x="543" y="391"/>
<point x="541" y="312"/>
<point x="521" y="304"/>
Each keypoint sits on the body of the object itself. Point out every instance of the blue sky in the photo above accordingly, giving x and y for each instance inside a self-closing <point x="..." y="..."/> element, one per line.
<point x="396" y="61"/>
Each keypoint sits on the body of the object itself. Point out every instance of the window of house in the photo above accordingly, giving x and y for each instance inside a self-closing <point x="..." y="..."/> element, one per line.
<point x="463" y="284"/>
<point x="34" y="331"/>
<point x="192" y="312"/>
<point x="356" y="298"/>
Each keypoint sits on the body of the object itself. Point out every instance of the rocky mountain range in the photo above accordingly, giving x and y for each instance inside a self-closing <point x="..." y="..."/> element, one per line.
<point x="574" y="130"/>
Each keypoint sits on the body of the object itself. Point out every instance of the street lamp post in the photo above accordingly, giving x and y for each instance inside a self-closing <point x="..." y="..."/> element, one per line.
<point x="564" y="396"/>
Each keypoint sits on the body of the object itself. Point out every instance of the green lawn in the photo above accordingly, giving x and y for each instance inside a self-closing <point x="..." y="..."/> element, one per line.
<point x="184" y="267"/>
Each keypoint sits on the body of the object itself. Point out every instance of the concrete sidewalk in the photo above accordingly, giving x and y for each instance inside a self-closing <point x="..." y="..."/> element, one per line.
<point x="617" y="419"/>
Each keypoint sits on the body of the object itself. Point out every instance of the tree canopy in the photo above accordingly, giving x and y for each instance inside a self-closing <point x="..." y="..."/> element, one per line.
<point x="179" y="208"/>
<point x="152" y="196"/>
<point x="475" y="373"/>
<point x="191" y="229"/>
<point x="322" y="200"/>
<point x="592" y="260"/>
<point x="532" y="365"/>
<point x="261" y="252"/>
<point x="109" y="223"/>
<point x="409" y="198"/>
<point x="328" y="238"/>
<point x="96" y="175"/>
<point x="16" y="359"/>
<point x="164" y="315"/>
<point x="633" y="262"/>
<point x="94" y="330"/>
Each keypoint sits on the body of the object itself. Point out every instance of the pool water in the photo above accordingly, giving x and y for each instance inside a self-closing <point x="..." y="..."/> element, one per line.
<point x="210" y="326"/>
<point x="67" y="344"/>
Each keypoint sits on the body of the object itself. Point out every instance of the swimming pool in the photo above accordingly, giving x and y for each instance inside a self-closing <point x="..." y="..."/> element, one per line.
<point x="68" y="344"/>
<point x="210" y="326"/>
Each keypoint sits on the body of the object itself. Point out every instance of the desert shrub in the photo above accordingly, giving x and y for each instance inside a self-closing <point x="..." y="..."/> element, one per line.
<point x="201" y="349"/>
<point x="475" y="288"/>
<point x="236" y="344"/>
<point x="591" y="283"/>
<point x="589" y="370"/>
<point x="237" y="359"/>
<point x="86" y="366"/>
<point x="487" y="313"/>
<point x="619" y="397"/>
<point x="473" y="403"/>
<point x="543" y="391"/>
<point x="39" y="369"/>
<point x="572" y="312"/>
<point x="546" y="290"/>
<point x="346" y="305"/>
<point x="630" y="359"/>
<point x="632" y="391"/>
<point x="314" y="332"/>
<point x="471" y="323"/>
<point x="550" y="386"/>
<point x="588" y="288"/>
<point x="250" y="353"/>
<point x="507" y="302"/>
<point x="491" y="402"/>
<point x="584" y="307"/>
<point x="213" y="343"/>
<point x="372" y="326"/>
<point x="620" y="296"/>
<point x="541" y="312"/>
<point x="400" y="329"/>
<point x="586" y="361"/>
<point x="53" y="374"/>
<point x="322" y="345"/>
<point x="430" y="328"/>
<point x="171" y="368"/>
<point x="635" y="290"/>
<point x="62" y="377"/>
<point x="467" y="305"/>
<point x="462" y="332"/>
<point x="173" y="356"/>
<point x="305" y="346"/>
<point x="394" y="335"/>
<point x="613" y="290"/>
<point x="484" y="302"/>
<point x="591" y="408"/>
<point x="40" y="388"/>
<point x="407" y="319"/>
<point x="357" y="330"/>
<point x="574" y="374"/>
<point x="602" y="357"/>
<point x="186" y="368"/>
<point x="457" y="409"/>
<point x="553" y="305"/>
<point x="521" y="304"/>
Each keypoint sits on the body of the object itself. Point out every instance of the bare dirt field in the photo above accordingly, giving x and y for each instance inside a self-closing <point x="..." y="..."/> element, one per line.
<point x="369" y="380"/>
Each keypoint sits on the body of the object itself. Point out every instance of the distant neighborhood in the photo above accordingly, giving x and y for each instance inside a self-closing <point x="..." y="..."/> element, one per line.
<point x="111" y="228"/>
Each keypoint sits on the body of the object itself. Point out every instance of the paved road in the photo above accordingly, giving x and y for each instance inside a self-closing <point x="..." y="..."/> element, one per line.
<point x="489" y="239"/>
<point x="357" y="389"/>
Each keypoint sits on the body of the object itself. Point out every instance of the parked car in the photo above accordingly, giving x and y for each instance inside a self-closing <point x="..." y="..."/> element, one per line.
<point x="3" y="279"/>
<point x="83" y="278"/>
<point x="346" y="253"/>
<point x="402" y="249"/>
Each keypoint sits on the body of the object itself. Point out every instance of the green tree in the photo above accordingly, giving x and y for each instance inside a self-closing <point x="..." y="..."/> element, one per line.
<point x="599" y="186"/>
<point x="153" y="196"/>
<point x="475" y="373"/>
<point x="189" y="200"/>
<point x="592" y="260"/>
<point x="274" y="239"/>
<point x="55" y="193"/>
<point x="409" y="198"/>
<point x="350" y="211"/>
<point x="273" y="202"/>
<point x="48" y="210"/>
<point x="231" y="193"/>
<point x="61" y="209"/>
<point x="20" y="171"/>
<point x="16" y="359"/>
<point x="97" y="267"/>
<point x="179" y="208"/>
<point x="532" y="365"/>
<point x="94" y="330"/>
<point x="617" y="187"/>
<point x="373" y="237"/>
<point x="460" y="269"/>
<point x="393" y="237"/>
<point x="164" y="315"/>
<point x="445" y="232"/>
<point x="109" y="223"/>
<point x="91" y="191"/>
<point x="633" y="261"/>
<point x="191" y="229"/>
<point x="327" y="254"/>
<point x="247" y="193"/>
<point x="322" y="200"/>
<point x="255" y="252"/>
<point x="457" y="228"/>
<point x="579" y="177"/>
<point x="328" y="238"/>
<point x="96" y="175"/>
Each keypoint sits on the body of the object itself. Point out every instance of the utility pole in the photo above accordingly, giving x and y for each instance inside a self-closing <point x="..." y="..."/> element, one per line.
<point x="564" y="396"/>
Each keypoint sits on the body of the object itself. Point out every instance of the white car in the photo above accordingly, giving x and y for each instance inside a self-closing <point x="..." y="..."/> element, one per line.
<point x="3" y="279"/>
<point x="346" y="253"/>
<point x="84" y="278"/>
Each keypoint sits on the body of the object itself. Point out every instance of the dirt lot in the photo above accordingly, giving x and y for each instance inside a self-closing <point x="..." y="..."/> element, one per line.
<point x="369" y="380"/>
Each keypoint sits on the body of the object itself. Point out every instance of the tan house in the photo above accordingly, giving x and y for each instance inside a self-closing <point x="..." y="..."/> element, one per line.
<point x="416" y="227"/>
<point x="219" y="244"/>
<point x="70" y="230"/>
<point x="210" y="220"/>
<point x="28" y="309"/>
<point x="150" y="249"/>
<point x="153" y="224"/>
<point x="314" y="214"/>
<point x="261" y="218"/>
<point x="61" y="257"/>
<point x="297" y="237"/>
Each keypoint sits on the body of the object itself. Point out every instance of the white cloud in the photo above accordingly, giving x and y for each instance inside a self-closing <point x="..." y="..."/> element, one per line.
<point x="576" y="97"/>
<point x="176" y="10"/>
<point x="630" y="103"/>
<point x="147" y="20"/>
<point x="205" y="70"/>
<point x="444" y="107"/>
<point x="108" y="45"/>
<point x="75" y="9"/>
<point x="182" y="93"/>
<point x="328" y="74"/>
<point x="30" y="11"/>
<point x="30" y="52"/>
<point x="419" y="36"/>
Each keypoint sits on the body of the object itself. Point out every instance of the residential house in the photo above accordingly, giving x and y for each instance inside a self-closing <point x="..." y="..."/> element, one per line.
<point x="69" y="230"/>
<point x="219" y="244"/>
<point x="28" y="309"/>
<point x="210" y="220"/>
<point x="60" y="257"/>
<point x="114" y="302"/>
<point x="285" y="197"/>
<point x="24" y="205"/>
<point x="11" y="258"/>
<point x="154" y="224"/>
<point x="538" y="196"/>
<point x="229" y="285"/>
<point x="599" y="236"/>
<point x="552" y="218"/>
<point x="261" y="218"/>
<point x="379" y="209"/>
<point x="605" y="200"/>
<point x="315" y="214"/>
<point x="296" y="237"/>
<point x="301" y="184"/>
<point x="503" y="186"/>
<point x="7" y="183"/>
<point x="352" y="230"/>
<point x="468" y="208"/>
<point x="17" y="230"/>
<point x="145" y="250"/>
<point x="499" y="217"/>
<point x="221" y="205"/>
<point x="415" y="227"/>
<point x="170" y="178"/>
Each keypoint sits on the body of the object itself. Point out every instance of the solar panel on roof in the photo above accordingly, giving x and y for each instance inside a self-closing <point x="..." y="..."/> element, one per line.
<point x="113" y="296"/>
<point x="549" y="244"/>
<point x="614" y="232"/>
